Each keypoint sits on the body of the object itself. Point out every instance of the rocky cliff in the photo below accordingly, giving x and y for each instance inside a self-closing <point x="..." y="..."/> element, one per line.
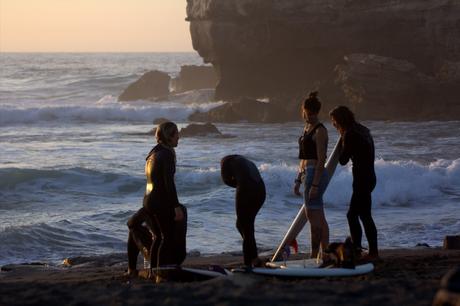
<point x="281" y="49"/>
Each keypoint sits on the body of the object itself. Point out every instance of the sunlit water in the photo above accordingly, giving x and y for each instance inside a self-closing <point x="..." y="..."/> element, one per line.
<point x="72" y="161"/>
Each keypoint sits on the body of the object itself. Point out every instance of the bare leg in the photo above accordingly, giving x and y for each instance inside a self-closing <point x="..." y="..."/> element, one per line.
<point x="319" y="231"/>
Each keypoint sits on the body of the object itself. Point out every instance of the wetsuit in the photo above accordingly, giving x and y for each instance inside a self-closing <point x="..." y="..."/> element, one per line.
<point x="240" y="173"/>
<point x="160" y="201"/>
<point x="358" y="146"/>
<point x="140" y="237"/>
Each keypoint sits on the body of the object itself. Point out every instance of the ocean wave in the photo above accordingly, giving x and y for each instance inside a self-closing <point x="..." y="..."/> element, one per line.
<point x="399" y="183"/>
<point x="73" y="180"/>
<point x="107" y="109"/>
<point x="55" y="241"/>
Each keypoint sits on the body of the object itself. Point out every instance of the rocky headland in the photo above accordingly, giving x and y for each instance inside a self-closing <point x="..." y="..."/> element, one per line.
<point x="391" y="60"/>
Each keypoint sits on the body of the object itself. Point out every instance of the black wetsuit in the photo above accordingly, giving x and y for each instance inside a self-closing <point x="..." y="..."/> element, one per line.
<point x="240" y="173"/>
<point x="358" y="146"/>
<point x="160" y="201"/>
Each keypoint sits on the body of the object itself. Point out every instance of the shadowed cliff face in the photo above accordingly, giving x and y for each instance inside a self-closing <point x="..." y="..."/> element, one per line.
<point x="281" y="48"/>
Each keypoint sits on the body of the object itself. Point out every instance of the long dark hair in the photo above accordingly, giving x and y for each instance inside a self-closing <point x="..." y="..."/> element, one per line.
<point x="312" y="103"/>
<point x="343" y="116"/>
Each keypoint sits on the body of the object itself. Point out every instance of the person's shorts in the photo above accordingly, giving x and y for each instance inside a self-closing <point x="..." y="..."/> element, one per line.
<point x="317" y="202"/>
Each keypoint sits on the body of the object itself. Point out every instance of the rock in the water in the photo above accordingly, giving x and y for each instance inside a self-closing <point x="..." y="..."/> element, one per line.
<point x="195" y="129"/>
<point x="199" y="96"/>
<point x="160" y="120"/>
<point x="151" y="85"/>
<point x="195" y="77"/>
<point x="246" y="110"/>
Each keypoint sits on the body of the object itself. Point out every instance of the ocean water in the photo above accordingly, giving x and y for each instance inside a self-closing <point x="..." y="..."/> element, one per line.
<point x="72" y="161"/>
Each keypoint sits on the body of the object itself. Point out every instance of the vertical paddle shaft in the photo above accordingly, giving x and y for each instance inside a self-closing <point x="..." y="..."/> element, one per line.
<point x="301" y="218"/>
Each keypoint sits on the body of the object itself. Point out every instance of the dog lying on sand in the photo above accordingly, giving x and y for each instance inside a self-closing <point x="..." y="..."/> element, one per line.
<point x="341" y="255"/>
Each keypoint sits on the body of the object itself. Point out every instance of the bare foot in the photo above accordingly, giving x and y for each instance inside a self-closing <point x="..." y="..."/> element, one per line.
<point x="131" y="273"/>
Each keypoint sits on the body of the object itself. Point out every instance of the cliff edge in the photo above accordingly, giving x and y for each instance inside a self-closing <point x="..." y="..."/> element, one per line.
<point x="281" y="49"/>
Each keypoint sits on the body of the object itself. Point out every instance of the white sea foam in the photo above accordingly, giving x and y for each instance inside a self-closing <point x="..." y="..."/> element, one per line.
<point x="398" y="182"/>
<point x="107" y="109"/>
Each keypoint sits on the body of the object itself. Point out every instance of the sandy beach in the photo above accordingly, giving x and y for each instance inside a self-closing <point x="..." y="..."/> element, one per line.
<point x="403" y="277"/>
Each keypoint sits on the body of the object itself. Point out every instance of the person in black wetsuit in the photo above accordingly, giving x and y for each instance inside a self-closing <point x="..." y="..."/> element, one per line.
<point x="358" y="145"/>
<point x="240" y="173"/>
<point x="161" y="207"/>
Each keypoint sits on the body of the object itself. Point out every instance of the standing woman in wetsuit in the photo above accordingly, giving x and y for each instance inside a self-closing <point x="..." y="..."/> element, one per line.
<point x="161" y="208"/>
<point x="358" y="145"/>
<point x="240" y="173"/>
<point x="312" y="155"/>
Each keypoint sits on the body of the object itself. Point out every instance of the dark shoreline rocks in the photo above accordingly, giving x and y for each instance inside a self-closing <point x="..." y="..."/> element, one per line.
<point x="193" y="77"/>
<point x="153" y="84"/>
<point x="269" y="48"/>
<point x="196" y="129"/>
<point x="247" y="110"/>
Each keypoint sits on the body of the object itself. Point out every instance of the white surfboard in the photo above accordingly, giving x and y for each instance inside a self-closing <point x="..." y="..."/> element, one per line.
<point x="301" y="263"/>
<point x="301" y="218"/>
<point x="208" y="272"/>
<point x="183" y="274"/>
<point x="309" y="268"/>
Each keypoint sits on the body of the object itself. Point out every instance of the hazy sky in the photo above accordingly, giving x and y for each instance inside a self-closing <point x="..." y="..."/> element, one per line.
<point x="93" y="26"/>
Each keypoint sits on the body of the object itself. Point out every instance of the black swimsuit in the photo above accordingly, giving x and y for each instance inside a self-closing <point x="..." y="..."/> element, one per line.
<point x="307" y="146"/>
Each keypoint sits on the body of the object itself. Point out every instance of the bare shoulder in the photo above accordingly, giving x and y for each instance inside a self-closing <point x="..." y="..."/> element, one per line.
<point x="321" y="131"/>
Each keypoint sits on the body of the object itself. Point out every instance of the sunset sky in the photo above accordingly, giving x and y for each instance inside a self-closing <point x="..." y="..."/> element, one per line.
<point x="93" y="26"/>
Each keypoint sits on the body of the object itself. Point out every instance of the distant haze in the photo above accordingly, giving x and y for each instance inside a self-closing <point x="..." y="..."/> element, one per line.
<point x="94" y="26"/>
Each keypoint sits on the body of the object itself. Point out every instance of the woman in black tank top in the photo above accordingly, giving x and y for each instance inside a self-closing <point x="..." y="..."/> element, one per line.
<point x="312" y="155"/>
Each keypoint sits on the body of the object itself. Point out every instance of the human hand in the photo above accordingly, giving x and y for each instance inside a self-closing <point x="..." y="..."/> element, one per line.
<point x="297" y="189"/>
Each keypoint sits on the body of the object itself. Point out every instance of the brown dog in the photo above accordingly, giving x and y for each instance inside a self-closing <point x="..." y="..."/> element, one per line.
<point x="342" y="254"/>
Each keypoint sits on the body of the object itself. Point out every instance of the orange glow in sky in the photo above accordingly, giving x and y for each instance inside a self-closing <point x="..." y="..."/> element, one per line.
<point x="94" y="26"/>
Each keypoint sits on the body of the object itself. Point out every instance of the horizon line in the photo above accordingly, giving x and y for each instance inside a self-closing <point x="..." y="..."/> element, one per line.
<point x="4" y="52"/>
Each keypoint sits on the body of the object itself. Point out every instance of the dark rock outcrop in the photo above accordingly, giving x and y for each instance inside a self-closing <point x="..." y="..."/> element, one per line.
<point x="151" y="85"/>
<point x="160" y="120"/>
<point x="246" y="110"/>
<point x="196" y="96"/>
<point x="194" y="77"/>
<point x="265" y="48"/>
<point x="380" y="88"/>
<point x="195" y="129"/>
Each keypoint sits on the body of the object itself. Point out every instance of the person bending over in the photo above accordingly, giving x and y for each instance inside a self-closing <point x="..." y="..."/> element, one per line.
<point x="240" y="173"/>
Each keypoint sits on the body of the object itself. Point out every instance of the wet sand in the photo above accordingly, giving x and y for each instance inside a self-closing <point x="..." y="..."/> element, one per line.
<point x="403" y="277"/>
